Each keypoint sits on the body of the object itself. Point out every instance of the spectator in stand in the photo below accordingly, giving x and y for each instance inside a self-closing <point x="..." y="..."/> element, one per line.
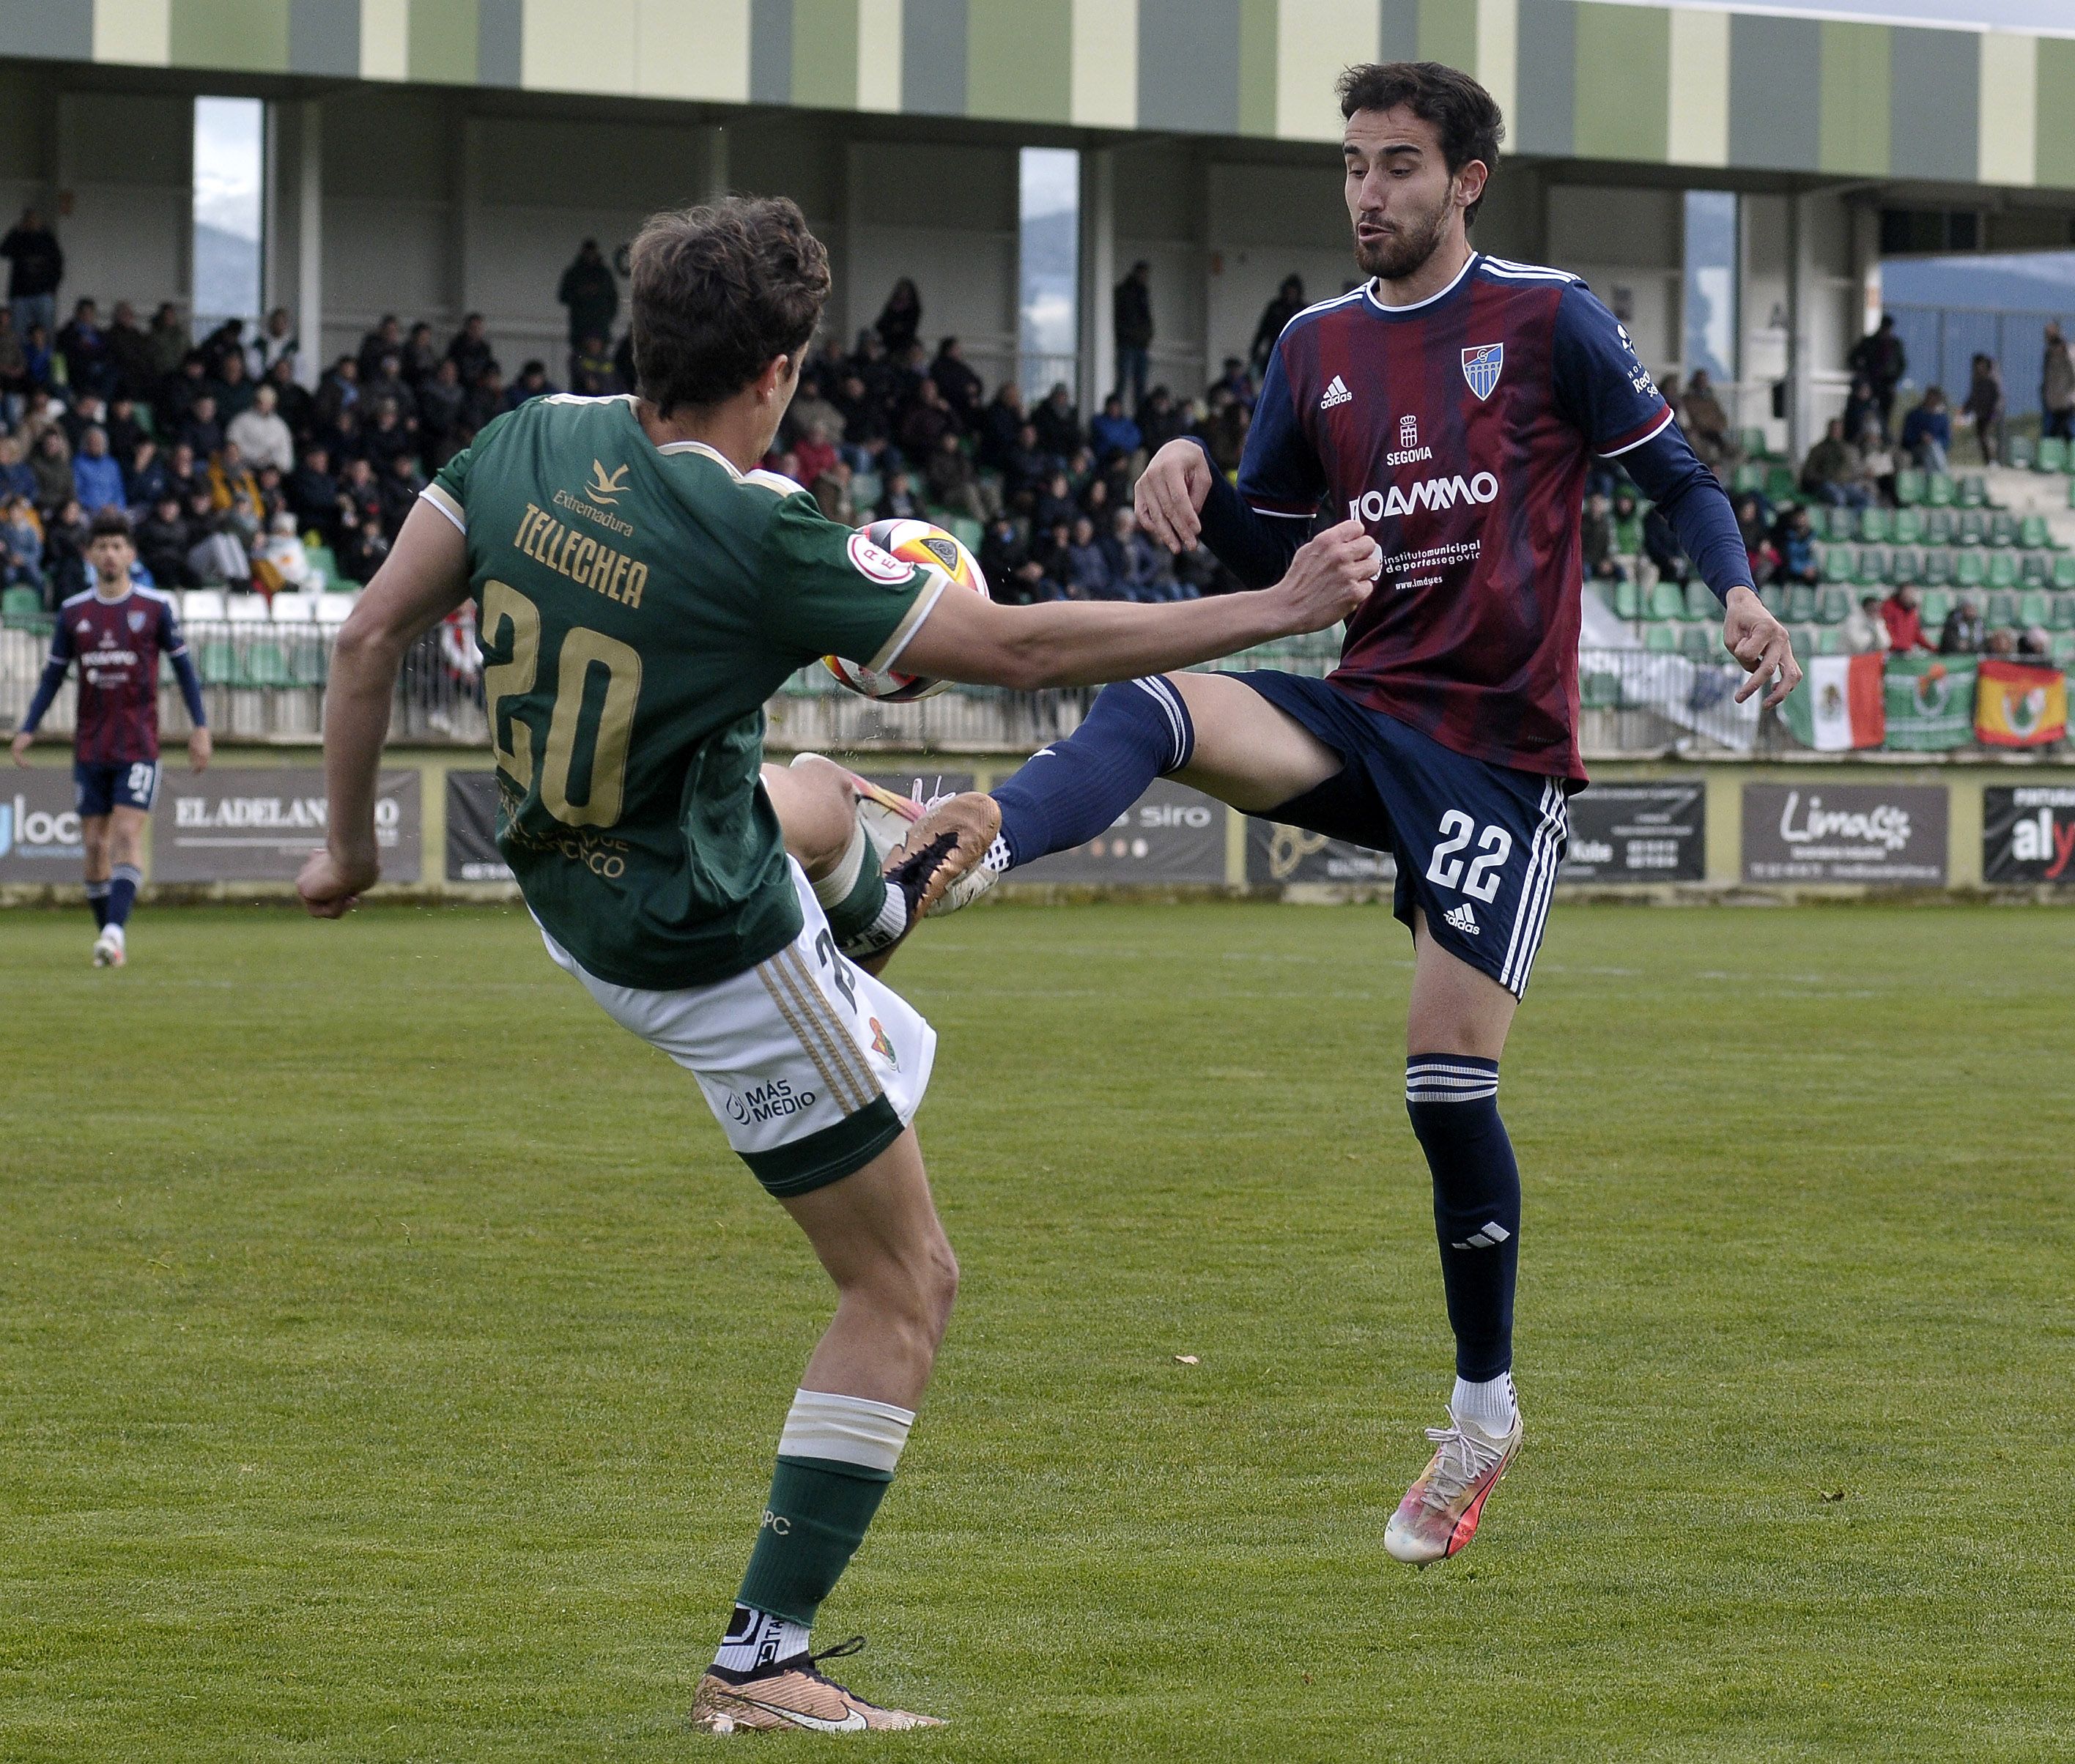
<point x="1596" y="533"/>
<point x="811" y="404"/>
<point x="1160" y="420"/>
<point x="2034" y="645"/>
<point x="1057" y="423"/>
<point x="1830" y="473"/>
<point x="84" y="346"/>
<point x="1879" y="359"/>
<point x="67" y="533"/>
<point x="1223" y="429"/>
<point x="226" y="341"/>
<point x="1131" y="327"/>
<point x="51" y="464"/>
<point x="1905" y="625"/>
<point x="387" y="338"/>
<point x="361" y="544"/>
<point x="482" y="401"/>
<point x="1861" y="408"/>
<point x="2001" y="645"/>
<point x="277" y="342"/>
<point x="21" y="544"/>
<point x="1115" y="435"/>
<point x="126" y="433"/>
<point x="816" y="452"/>
<point x="1000" y="422"/>
<point x="1140" y="563"/>
<point x="169" y="341"/>
<point x="217" y="556"/>
<point x="866" y="433"/>
<point x="1864" y="632"/>
<point x="1876" y="463"/>
<point x="183" y="473"/>
<point x="1002" y="551"/>
<point x="35" y="266"/>
<point x="146" y="478"/>
<point x="14" y="376"/>
<point x="832" y="492"/>
<point x="235" y="491"/>
<point x="1628" y="522"/>
<point x="928" y="421"/>
<point x="439" y="412"/>
<point x="388" y="385"/>
<point x="280" y="560"/>
<point x="202" y="431"/>
<point x="1758" y="539"/>
<point x="590" y="294"/>
<point x="38" y="360"/>
<point x="1661" y="544"/>
<point x="1985" y="407"/>
<point x="400" y="486"/>
<point x="1088" y="567"/>
<point x="96" y="477"/>
<point x="86" y="411"/>
<point x="172" y="399"/>
<point x="1927" y="432"/>
<point x="1028" y="467"/>
<point x="959" y="384"/>
<point x="1054" y="506"/>
<point x="1966" y="631"/>
<point x="1707" y="424"/>
<point x="347" y="438"/>
<point x="1275" y="318"/>
<point x="955" y="485"/>
<point x="41" y="412"/>
<point x="260" y="434"/>
<point x="897" y="500"/>
<point x="2057" y="387"/>
<point x="1793" y="538"/>
<point x="17" y="481"/>
<point x="235" y="391"/>
<point x="386" y="437"/>
<point x="1237" y="380"/>
<point x="421" y="356"/>
<point x="901" y="319"/>
<point x="470" y="350"/>
<point x="337" y="391"/>
<point x="312" y="494"/>
<point x="592" y="374"/>
<point x="532" y="383"/>
<point x="911" y="369"/>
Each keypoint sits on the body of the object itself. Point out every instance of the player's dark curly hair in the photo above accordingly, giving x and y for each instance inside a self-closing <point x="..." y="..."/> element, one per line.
<point x="718" y="292"/>
<point x="109" y="522"/>
<point x="1462" y="112"/>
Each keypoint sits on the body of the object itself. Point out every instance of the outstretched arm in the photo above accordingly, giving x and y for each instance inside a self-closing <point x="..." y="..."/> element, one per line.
<point x="46" y="689"/>
<point x="425" y="579"/>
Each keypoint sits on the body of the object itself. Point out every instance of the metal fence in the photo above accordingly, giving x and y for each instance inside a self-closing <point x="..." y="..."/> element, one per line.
<point x="1942" y="341"/>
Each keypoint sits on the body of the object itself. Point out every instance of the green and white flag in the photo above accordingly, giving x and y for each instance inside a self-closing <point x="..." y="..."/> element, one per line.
<point x="1838" y="707"/>
<point x="1930" y="702"/>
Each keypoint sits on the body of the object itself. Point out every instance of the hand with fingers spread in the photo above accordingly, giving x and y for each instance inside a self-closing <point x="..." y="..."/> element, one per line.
<point x="1329" y="577"/>
<point x="1171" y="493"/>
<point x="1761" y="643"/>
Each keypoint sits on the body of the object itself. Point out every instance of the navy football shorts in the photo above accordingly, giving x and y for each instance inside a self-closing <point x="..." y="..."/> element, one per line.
<point x="1477" y="844"/>
<point x="129" y="784"/>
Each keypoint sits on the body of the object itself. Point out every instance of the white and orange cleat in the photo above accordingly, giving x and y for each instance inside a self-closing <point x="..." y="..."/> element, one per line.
<point x="792" y="1694"/>
<point x="1439" y="1513"/>
<point x="108" y="948"/>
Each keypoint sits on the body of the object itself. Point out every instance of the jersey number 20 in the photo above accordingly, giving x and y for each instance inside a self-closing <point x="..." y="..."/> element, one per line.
<point x="505" y="608"/>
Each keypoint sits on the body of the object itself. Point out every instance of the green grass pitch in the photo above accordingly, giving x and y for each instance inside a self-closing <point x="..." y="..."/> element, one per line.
<point x="393" y="1353"/>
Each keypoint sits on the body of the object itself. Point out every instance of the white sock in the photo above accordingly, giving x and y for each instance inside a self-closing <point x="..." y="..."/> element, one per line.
<point x="1490" y="1405"/>
<point x="756" y="1638"/>
<point x="834" y="888"/>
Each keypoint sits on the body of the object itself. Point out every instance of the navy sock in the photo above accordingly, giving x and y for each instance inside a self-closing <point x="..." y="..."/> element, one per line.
<point x="122" y="882"/>
<point x="97" y="897"/>
<point x="1064" y="795"/>
<point x="1453" y="1101"/>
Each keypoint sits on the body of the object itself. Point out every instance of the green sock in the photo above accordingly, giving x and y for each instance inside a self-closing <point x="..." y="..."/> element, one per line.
<point x="815" y="1520"/>
<point x="864" y="915"/>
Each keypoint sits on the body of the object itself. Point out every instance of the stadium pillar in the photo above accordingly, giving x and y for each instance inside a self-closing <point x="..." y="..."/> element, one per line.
<point x="1097" y="363"/>
<point x="291" y="272"/>
<point x="716" y="163"/>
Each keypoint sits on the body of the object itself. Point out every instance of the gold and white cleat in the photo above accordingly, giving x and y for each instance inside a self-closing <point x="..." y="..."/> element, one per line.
<point x="793" y="1694"/>
<point x="1439" y="1513"/>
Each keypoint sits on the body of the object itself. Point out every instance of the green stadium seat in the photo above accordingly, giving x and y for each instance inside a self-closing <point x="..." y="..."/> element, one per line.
<point x="2063" y="571"/>
<point x="2060" y="611"/>
<point x="1939" y="490"/>
<point x="1909" y="487"/>
<point x="1628" y="601"/>
<point x="1800" y="604"/>
<point x="2017" y="453"/>
<point x="2035" y="570"/>
<point x="1696" y="644"/>
<point x="963" y="529"/>
<point x="1970" y="569"/>
<point x="1973" y="491"/>
<point x="1753" y="442"/>
<point x="2000" y="609"/>
<point x="265" y="665"/>
<point x="1661" y="639"/>
<point x="1938" y="527"/>
<point x="1837" y="563"/>
<point x="1667" y="600"/>
<point x="1604" y="587"/>
<point x="1908" y="527"/>
<point x="1840" y="524"/>
<point x="2034" y="535"/>
<point x="1748" y="479"/>
<point x="1871" y="569"/>
<point x="1700" y="601"/>
<point x="1833" y="605"/>
<point x="1971" y="529"/>
<point x="1829" y="640"/>
<point x="2053" y="455"/>
<point x="1905" y="563"/>
<point x="2071" y="493"/>
<point x="21" y="609"/>
<point x="2002" y="570"/>
<point x="1805" y="638"/>
<point x="1937" y="570"/>
<point x="1933" y="608"/>
<point x="219" y="662"/>
<point x="2003" y="530"/>
<point x="1773" y="597"/>
<point x="1875" y="526"/>
<point x="1779" y="484"/>
<point x="2035" y="606"/>
<point x="2063" y="649"/>
<point x="1599" y="691"/>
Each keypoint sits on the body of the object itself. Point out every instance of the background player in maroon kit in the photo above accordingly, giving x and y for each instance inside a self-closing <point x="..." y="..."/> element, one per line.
<point x="1451" y="405"/>
<point x="116" y="632"/>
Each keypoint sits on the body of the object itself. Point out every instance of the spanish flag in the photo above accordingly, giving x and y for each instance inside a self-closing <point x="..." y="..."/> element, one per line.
<point x="2017" y="706"/>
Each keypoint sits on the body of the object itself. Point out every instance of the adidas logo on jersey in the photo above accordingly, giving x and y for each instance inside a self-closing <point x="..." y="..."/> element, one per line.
<point x="1464" y="920"/>
<point x="1337" y="393"/>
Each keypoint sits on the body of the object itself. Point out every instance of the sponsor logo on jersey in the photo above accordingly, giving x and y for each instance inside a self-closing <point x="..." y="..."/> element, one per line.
<point x="1433" y="493"/>
<point x="605" y="487"/>
<point x="589" y="511"/>
<point x="1337" y="393"/>
<point x="1409" y="452"/>
<point x="1481" y="363"/>
<point x="882" y="1043"/>
<point x="1465" y="921"/>
<point x="875" y="563"/>
<point x="770" y="1102"/>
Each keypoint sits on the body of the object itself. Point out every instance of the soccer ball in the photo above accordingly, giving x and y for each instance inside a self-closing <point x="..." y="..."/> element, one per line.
<point x="911" y="542"/>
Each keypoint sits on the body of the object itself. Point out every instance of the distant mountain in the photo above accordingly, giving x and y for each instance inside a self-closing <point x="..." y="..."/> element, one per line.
<point x="227" y="273"/>
<point x="2041" y="283"/>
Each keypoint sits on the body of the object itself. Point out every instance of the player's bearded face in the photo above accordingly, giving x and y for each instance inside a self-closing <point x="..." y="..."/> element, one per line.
<point x="1407" y="234"/>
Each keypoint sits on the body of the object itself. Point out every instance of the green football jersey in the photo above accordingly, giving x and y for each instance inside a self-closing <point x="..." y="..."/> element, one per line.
<point x="637" y="605"/>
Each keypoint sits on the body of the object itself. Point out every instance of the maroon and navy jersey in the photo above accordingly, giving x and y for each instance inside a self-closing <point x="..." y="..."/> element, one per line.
<point x="1458" y="431"/>
<point x="117" y="644"/>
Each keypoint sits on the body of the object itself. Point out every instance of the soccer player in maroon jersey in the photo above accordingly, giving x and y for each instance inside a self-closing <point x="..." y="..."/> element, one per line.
<point x="1452" y="404"/>
<point x="116" y="632"/>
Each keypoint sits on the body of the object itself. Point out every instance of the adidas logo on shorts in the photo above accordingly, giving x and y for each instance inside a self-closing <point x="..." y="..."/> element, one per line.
<point x="1337" y="393"/>
<point x="1464" y="920"/>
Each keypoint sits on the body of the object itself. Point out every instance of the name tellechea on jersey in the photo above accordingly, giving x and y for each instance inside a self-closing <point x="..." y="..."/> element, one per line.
<point x="638" y="605"/>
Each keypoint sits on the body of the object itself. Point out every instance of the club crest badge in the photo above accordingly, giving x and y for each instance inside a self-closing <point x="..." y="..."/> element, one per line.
<point x="882" y="1043"/>
<point x="1480" y="367"/>
<point x="136" y="621"/>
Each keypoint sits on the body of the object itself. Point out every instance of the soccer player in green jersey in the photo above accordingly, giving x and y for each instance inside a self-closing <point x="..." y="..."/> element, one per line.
<point x="643" y="588"/>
